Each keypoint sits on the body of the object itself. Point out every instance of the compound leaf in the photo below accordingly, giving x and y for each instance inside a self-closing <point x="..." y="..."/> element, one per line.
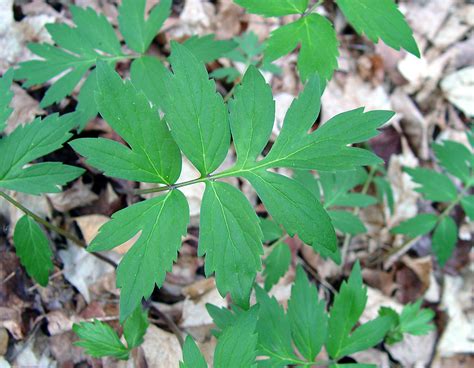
<point x="380" y="19"/>
<point x="162" y="221"/>
<point x="154" y="156"/>
<point x="207" y="49"/>
<point x="416" y="226"/>
<point x="276" y="265"/>
<point x="31" y="246"/>
<point x="231" y="238"/>
<point x="6" y="95"/>
<point x="135" y="327"/>
<point x="444" y="239"/>
<point x="270" y="229"/>
<point x="414" y="320"/>
<point x="433" y="185"/>
<point x="319" y="45"/>
<point x="194" y="110"/>
<point x="274" y="8"/>
<point x="28" y="143"/>
<point x="99" y="339"/>
<point x="308" y="317"/>
<point x="78" y="48"/>
<point x="192" y="356"/>
<point x="138" y="32"/>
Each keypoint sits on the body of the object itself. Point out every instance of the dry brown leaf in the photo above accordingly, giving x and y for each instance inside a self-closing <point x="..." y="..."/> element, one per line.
<point x="78" y="195"/>
<point x="161" y="348"/>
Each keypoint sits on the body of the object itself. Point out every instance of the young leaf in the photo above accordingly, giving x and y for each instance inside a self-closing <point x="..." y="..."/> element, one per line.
<point x="347" y="222"/>
<point x="231" y="238"/>
<point x="135" y="327"/>
<point x="468" y="206"/>
<point x="416" y="226"/>
<point x="192" y="357"/>
<point x="434" y="186"/>
<point x="237" y="344"/>
<point x="348" y="306"/>
<point x="138" y="32"/>
<point x="308" y="318"/>
<point x="276" y="265"/>
<point x="415" y="321"/>
<point x="380" y="19"/>
<point x="162" y="221"/>
<point x="31" y="246"/>
<point x="28" y="143"/>
<point x="274" y="8"/>
<point x="455" y="158"/>
<point x="154" y="156"/>
<point x="207" y="49"/>
<point x="195" y="112"/>
<point x="319" y="45"/>
<point x="6" y="96"/>
<point x="76" y="52"/>
<point x="444" y="239"/>
<point x="99" y="340"/>
<point x="270" y="229"/>
<point x="274" y="331"/>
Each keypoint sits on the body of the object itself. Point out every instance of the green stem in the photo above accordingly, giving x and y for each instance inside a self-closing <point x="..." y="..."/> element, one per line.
<point x="52" y="227"/>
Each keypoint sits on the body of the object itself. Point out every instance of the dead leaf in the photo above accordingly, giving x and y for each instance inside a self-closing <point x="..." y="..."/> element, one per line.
<point x="413" y="351"/>
<point x="459" y="89"/>
<point x="161" y="348"/>
<point x="78" y="195"/>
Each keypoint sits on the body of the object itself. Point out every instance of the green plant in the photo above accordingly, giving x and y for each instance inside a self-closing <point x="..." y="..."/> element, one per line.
<point x="201" y="124"/>
<point x="378" y="19"/>
<point x="267" y="331"/>
<point x="17" y="173"/>
<point x="458" y="161"/>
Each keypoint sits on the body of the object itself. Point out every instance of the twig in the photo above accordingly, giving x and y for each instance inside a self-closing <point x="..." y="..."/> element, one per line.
<point x="54" y="228"/>
<point x="170" y="323"/>
<point x="6" y="279"/>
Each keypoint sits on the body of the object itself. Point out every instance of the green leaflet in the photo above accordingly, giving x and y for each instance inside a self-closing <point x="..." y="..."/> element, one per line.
<point x="207" y="49"/>
<point x="468" y="206"/>
<point x="146" y="263"/>
<point x="194" y="111"/>
<point x="6" y="96"/>
<point x="455" y="158"/>
<point x="319" y="45"/>
<point x="237" y="344"/>
<point x="348" y="306"/>
<point x="192" y="357"/>
<point x="135" y="327"/>
<point x="99" y="339"/>
<point x="434" y="186"/>
<point x="252" y="112"/>
<point x="270" y="229"/>
<point x="444" y="239"/>
<point x="154" y="156"/>
<point x="416" y="226"/>
<point x="231" y="238"/>
<point x="138" y="32"/>
<point x="384" y="191"/>
<point x="380" y="19"/>
<point x="28" y="143"/>
<point x="276" y="264"/>
<point x="307" y="315"/>
<point x="76" y="52"/>
<point x="31" y="246"/>
<point x="295" y="208"/>
<point x="307" y="179"/>
<point x="274" y="8"/>
<point x="347" y="222"/>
